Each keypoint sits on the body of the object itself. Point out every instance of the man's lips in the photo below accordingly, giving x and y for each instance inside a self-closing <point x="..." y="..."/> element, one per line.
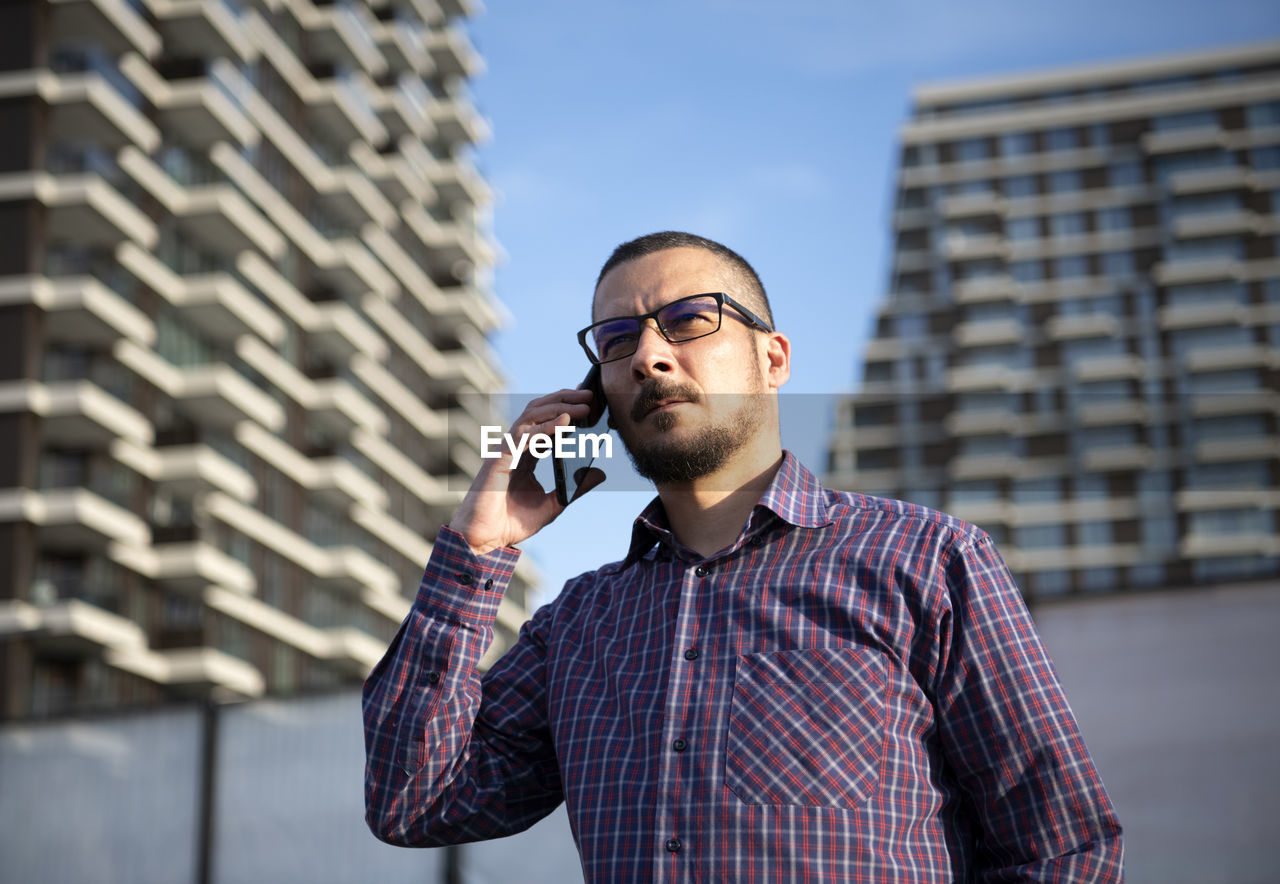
<point x="666" y="404"/>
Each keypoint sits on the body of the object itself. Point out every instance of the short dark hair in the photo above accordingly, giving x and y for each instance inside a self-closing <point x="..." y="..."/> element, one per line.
<point x="755" y="296"/>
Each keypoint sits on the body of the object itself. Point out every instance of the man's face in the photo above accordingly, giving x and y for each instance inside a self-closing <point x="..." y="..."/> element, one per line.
<point x="683" y="410"/>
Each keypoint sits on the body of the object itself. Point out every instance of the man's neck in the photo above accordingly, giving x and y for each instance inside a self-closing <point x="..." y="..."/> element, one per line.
<point x="707" y="514"/>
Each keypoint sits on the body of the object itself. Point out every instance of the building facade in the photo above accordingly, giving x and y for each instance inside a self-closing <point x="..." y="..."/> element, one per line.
<point x="1080" y="348"/>
<point x="244" y="300"/>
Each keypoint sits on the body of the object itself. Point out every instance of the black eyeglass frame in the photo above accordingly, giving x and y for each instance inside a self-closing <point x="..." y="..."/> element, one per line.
<point x="721" y="300"/>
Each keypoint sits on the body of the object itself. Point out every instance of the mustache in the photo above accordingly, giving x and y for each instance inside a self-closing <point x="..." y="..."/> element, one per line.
<point x="654" y="391"/>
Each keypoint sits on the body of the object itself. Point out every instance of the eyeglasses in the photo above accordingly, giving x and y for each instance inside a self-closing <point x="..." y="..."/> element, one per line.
<point x="682" y="320"/>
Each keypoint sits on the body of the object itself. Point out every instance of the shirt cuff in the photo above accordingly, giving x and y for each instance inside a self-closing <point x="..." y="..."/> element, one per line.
<point x="459" y="585"/>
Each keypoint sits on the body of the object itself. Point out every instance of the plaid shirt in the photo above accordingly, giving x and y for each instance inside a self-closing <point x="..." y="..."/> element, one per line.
<point x="852" y="691"/>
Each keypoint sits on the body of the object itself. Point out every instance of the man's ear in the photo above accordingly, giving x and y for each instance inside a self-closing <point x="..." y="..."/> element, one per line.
<point x="777" y="354"/>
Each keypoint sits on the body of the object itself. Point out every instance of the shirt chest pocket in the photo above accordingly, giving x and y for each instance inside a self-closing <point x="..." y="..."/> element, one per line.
<point x="806" y="727"/>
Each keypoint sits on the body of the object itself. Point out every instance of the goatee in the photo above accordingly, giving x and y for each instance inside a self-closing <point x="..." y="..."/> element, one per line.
<point x="666" y="460"/>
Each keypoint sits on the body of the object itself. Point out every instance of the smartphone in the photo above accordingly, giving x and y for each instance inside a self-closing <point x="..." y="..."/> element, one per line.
<point x="567" y="469"/>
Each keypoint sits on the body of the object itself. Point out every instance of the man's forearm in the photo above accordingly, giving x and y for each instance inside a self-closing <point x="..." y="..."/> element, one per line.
<point x="421" y="700"/>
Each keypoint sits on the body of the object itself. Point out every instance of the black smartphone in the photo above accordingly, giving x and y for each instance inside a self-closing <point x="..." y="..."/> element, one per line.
<point x="567" y="469"/>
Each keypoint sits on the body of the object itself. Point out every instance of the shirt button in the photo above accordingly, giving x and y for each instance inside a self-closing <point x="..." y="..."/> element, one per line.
<point x="691" y="654"/>
<point x="680" y="745"/>
<point x="465" y="579"/>
<point x="433" y="678"/>
<point x="702" y="570"/>
<point x="488" y="584"/>
<point x="673" y="845"/>
<point x="757" y="541"/>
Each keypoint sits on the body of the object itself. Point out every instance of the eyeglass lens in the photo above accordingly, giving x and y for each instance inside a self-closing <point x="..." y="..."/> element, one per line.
<point x="681" y="320"/>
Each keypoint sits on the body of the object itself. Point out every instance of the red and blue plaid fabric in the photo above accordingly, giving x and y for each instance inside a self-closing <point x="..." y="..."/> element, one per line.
<point x="852" y="691"/>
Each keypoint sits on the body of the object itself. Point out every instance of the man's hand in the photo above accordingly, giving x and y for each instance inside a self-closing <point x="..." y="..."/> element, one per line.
<point x="506" y="505"/>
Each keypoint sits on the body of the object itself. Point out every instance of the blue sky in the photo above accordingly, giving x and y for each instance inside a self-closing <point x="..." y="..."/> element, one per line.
<point x="768" y="126"/>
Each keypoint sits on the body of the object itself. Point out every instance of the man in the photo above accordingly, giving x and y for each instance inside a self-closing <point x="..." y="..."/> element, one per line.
<point x="777" y="682"/>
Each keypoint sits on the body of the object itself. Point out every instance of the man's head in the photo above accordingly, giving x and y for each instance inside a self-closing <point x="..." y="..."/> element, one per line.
<point x="692" y="409"/>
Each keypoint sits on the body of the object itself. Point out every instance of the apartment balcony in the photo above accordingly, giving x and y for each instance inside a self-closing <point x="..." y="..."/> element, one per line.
<point x="1197" y="270"/>
<point x="1207" y="180"/>
<point x="395" y="178"/>
<point x="69" y="628"/>
<point x="195" y="672"/>
<point x="1246" y="448"/>
<point x="344" y="108"/>
<point x="986" y="289"/>
<point x="83" y="107"/>
<point x="1095" y="325"/>
<point x="83" y="208"/>
<point x="113" y="24"/>
<point x="963" y="247"/>
<point x="403" y="49"/>
<point x="982" y="377"/>
<point x="338" y="332"/>
<point x="1113" y="412"/>
<point x="911" y="219"/>
<point x="912" y="260"/>
<point x="79" y="310"/>
<point x="189" y="470"/>
<point x="1120" y="457"/>
<point x="989" y="332"/>
<point x="1211" y="359"/>
<point x="204" y="114"/>
<point x="190" y="567"/>
<point x="980" y="423"/>
<point x="1219" y="224"/>
<point x="452" y="53"/>
<point x="350" y="268"/>
<point x="1222" y="499"/>
<point x="219" y="396"/>
<point x="201" y="29"/>
<point x="355" y="199"/>
<point x="1197" y="315"/>
<point x="1208" y="546"/>
<point x="339" y="408"/>
<point x="352" y="651"/>
<point x="341" y="484"/>
<point x="353" y="570"/>
<point x="458" y="8"/>
<point x="1243" y="402"/>
<point x="458" y="122"/>
<point x="339" y="35"/>
<point x="76" y="413"/>
<point x="1182" y="140"/>
<point x="405" y="109"/>
<point x="969" y="205"/>
<point x="73" y="518"/>
<point x="1103" y="368"/>
<point x="457" y="181"/>
<point x="220" y="217"/>
<point x="219" y="305"/>
<point x="983" y="466"/>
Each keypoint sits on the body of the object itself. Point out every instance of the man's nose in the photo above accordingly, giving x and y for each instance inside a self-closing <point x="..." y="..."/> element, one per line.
<point x="653" y="355"/>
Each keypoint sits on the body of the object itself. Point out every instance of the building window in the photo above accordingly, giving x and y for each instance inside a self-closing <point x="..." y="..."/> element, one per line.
<point x="1242" y="426"/>
<point x="1215" y="382"/>
<point x="1099" y="579"/>
<point x="1205" y="294"/>
<point x="1193" y="161"/>
<point x="1118" y="264"/>
<point x="1160" y="532"/>
<point x="1094" y="534"/>
<point x="1063" y="139"/>
<point x="1217" y="337"/>
<point x="1016" y="144"/>
<point x="1051" y="582"/>
<point x="1095" y="438"/>
<point x="975" y="187"/>
<point x="1207" y="249"/>
<point x="1265" y="157"/>
<point x="1206" y="203"/>
<point x="972" y="150"/>
<point x="1037" y="490"/>
<point x="1090" y="486"/>
<point x="1065" y="181"/>
<point x="1192" y="120"/>
<point x="973" y="492"/>
<point x="1126" y="174"/>
<point x="1027" y="271"/>
<point x="1020" y="185"/>
<point x="1218" y="476"/>
<point x="1118" y="218"/>
<point x="1071" y="266"/>
<point x="1226" y="523"/>
<point x="1067" y="224"/>
<point x="1260" y="116"/>
<point x="1040" y="536"/>
<point x="995" y="445"/>
<point x="1022" y="228"/>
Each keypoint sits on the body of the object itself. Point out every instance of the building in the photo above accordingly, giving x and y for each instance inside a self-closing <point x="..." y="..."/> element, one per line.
<point x="1080" y="347"/>
<point x="244" y="299"/>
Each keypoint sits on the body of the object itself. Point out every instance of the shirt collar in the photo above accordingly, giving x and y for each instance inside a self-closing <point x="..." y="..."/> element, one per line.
<point x="795" y="496"/>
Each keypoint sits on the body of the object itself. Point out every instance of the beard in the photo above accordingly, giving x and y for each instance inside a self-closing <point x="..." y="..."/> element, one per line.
<point x="668" y="460"/>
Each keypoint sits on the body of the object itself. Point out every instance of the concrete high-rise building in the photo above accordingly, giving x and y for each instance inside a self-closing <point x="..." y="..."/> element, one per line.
<point x="244" y="299"/>
<point x="1080" y="348"/>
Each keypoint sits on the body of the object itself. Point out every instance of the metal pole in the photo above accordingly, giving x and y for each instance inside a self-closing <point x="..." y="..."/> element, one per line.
<point x="208" y="779"/>
<point x="453" y="864"/>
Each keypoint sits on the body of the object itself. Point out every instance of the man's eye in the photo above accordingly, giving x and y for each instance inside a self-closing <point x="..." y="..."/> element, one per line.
<point x="608" y="344"/>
